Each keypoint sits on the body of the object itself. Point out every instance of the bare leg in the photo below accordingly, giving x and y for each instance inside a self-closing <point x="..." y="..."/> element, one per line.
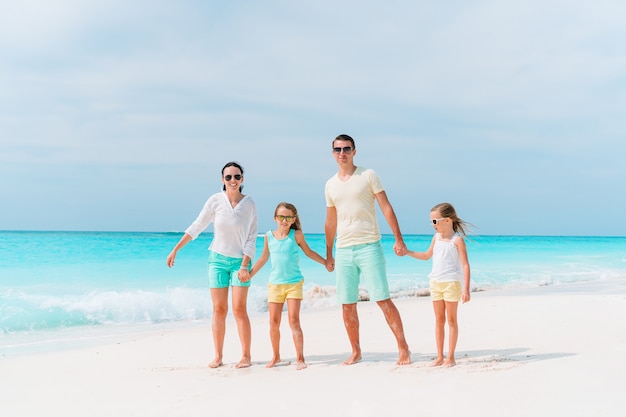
<point x="240" y="297"/>
<point x="351" y="322"/>
<point x="219" y="297"/>
<point x="276" y="311"/>
<point x="392" y="315"/>
<point x="453" y="326"/>
<point x="440" y="321"/>
<point x="293" y="308"/>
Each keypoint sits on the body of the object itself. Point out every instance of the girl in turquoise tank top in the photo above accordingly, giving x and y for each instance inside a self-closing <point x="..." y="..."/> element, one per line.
<point x="285" y="281"/>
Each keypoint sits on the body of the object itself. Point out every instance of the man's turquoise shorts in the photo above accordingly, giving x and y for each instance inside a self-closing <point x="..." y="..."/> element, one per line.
<point x="365" y="260"/>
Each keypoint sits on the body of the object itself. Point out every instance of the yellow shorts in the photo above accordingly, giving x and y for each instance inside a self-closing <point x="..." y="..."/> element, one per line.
<point x="278" y="293"/>
<point x="449" y="291"/>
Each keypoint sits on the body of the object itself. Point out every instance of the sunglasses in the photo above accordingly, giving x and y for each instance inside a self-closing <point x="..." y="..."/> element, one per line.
<point x="230" y="177"/>
<point x="345" y="149"/>
<point x="280" y="218"/>
<point x="437" y="221"/>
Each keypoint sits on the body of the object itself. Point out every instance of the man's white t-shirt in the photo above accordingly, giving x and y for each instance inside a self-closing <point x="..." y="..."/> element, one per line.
<point x="355" y="202"/>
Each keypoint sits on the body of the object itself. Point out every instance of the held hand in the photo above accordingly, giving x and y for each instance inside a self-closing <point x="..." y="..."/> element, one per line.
<point x="400" y="248"/>
<point x="330" y="264"/>
<point x="170" y="259"/>
<point x="244" y="275"/>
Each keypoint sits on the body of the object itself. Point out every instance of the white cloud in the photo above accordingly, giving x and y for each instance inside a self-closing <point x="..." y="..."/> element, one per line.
<point x="446" y="100"/>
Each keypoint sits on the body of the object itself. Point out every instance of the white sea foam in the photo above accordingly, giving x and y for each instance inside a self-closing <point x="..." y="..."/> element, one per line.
<point x="121" y="278"/>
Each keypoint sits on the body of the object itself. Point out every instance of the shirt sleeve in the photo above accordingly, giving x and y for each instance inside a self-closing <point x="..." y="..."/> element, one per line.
<point x="375" y="182"/>
<point x="204" y="219"/>
<point x="327" y="196"/>
<point x="253" y="230"/>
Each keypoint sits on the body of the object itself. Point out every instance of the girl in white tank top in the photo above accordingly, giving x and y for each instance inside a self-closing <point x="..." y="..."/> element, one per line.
<point x="449" y="277"/>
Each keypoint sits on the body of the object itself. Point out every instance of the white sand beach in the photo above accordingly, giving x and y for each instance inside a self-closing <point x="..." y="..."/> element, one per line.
<point x="557" y="351"/>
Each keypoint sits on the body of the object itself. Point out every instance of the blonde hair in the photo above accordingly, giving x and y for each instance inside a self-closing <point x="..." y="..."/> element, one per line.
<point x="296" y="224"/>
<point x="458" y="225"/>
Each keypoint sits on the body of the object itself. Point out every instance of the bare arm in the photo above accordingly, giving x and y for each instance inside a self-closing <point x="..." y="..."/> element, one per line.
<point x="385" y="207"/>
<point x="330" y="228"/>
<point x="424" y="256"/>
<point x="462" y="248"/>
<point x="262" y="259"/>
<point x="182" y="242"/>
<point x="307" y="250"/>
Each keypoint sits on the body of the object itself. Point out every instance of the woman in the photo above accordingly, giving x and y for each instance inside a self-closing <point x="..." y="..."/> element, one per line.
<point x="234" y="219"/>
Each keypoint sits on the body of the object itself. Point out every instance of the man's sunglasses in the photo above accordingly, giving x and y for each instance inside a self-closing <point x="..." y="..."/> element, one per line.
<point x="345" y="149"/>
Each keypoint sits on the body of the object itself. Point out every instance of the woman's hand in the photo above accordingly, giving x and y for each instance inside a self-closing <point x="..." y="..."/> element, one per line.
<point x="244" y="275"/>
<point x="170" y="259"/>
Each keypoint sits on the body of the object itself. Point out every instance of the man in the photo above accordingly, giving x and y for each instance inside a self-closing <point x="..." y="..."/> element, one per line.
<point x="351" y="218"/>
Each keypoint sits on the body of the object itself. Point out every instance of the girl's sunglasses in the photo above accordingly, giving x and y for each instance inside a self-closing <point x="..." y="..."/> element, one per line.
<point x="230" y="177"/>
<point x="437" y="221"/>
<point x="280" y="218"/>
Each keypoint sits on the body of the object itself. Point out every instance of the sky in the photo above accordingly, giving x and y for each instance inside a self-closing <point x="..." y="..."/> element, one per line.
<point x="118" y="116"/>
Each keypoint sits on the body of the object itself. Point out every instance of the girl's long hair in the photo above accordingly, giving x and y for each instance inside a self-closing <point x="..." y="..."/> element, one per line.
<point x="296" y="224"/>
<point x="458" y="225"/>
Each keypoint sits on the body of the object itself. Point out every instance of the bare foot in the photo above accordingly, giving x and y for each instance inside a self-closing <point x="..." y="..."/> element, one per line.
<point x="449" y="363"/>
<point x="243" y="363"/>
<point x="437" y="362"/>
<point x="217" y="362"/>
<point x="300" y="365"/>
<point x="355" y="358"/>
<point x="277" y="362"/>
<point x="405" y="358"/>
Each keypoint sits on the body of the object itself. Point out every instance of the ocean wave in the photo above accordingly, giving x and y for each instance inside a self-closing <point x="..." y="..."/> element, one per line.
<point x="26" y="310"/>
<point x="21" y="311"/>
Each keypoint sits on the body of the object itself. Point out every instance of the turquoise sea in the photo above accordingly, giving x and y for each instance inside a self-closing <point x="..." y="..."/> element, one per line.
<point x="54" y="281"/>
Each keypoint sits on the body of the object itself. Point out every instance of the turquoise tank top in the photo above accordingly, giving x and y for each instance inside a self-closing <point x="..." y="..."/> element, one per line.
<point x="285" y="258"/>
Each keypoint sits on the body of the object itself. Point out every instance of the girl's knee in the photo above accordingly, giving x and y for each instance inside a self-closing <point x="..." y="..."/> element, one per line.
<point x="294" y="325"/>
<point x="240" y="313"/>
<point x="440" y="319"/>
<point x="220" y="311"/>
<point x="274" y="323"/>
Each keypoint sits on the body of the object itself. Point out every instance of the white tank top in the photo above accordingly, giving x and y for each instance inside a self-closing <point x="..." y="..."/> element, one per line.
<point x="446" y="261"/>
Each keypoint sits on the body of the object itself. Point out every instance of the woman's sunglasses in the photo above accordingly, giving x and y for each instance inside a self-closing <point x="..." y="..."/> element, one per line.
<point x="230" y="177"/>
